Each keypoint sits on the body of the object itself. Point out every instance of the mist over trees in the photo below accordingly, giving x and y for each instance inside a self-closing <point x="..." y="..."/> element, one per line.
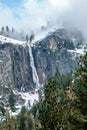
<point x="18" y="35"/>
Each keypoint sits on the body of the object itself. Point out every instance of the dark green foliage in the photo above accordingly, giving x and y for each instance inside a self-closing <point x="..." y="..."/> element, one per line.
<point x="51" y="109"/>
<point x="37" y="125"/>
<point x="80" y="89"/>
<point x="62" y="81"/>
<point x="34" y="110"/>
<point x="29" y="121"/>
<point x="67" y="80"/>
<point x="22" y="119"/>
<point x="56" y="110"/>
<point x="58" y="80"/>
<point x="12" y="101"/>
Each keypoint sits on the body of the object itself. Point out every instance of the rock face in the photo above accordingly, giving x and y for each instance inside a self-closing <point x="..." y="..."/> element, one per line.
<point x="56" y="52"/>
<point x="15" y="70"/>
<point x="59" y="51"/>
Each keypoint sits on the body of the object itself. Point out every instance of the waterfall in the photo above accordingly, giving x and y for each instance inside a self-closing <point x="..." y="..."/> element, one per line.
<point x="34" y="71"/>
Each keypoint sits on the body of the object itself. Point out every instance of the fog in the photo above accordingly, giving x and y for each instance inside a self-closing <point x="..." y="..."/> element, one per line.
<point x="76" y="16"/>
<point x="32" y="14"/>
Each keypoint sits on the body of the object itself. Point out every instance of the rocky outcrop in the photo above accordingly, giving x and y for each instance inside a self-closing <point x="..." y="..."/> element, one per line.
<point x="56" y="52"/>
<point x="15" y="69"/>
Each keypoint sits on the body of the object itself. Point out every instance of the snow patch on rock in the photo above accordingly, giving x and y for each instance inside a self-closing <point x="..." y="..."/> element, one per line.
<point x="4" y="39"/>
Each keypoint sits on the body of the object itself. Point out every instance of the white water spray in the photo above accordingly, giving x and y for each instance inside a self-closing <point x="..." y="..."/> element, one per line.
<point x="34" y="71"/>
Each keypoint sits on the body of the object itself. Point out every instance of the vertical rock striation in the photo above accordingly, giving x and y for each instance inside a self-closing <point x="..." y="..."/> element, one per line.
<point x="15" y="69"/>
<point x="25" y="68"/>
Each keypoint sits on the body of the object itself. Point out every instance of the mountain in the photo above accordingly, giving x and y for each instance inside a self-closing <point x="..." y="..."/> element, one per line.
<point x="25" y="65"/>
<point x="58" y="51"/>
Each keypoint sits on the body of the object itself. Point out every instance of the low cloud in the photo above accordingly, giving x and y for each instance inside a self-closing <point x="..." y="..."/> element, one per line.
<point x="32" y="14"/>
<point x="7" y="16"/>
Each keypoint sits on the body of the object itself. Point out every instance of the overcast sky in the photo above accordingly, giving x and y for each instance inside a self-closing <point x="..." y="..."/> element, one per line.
<point x="32" y="14"/>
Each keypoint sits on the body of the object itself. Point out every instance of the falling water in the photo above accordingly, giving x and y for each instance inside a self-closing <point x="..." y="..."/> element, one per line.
<point x="34" y="71"/>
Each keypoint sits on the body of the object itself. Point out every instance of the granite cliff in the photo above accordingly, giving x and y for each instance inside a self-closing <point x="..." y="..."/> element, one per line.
<point x="26" y="66"/>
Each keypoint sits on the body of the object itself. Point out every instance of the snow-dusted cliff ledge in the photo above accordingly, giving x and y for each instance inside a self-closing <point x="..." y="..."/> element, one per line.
<point x="25" y="66"/>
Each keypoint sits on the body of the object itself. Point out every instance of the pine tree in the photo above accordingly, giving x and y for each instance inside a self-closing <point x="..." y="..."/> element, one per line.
<point x="29" y="121"/>
<point x="67" y="80"/>
<point x="37" y="124"/>
<point x="2" y="29"/>
<point x="7" y="28"/>
<point x="22" y="120"/>
<point x="32" y="37"/>
<point x="50" y="108"/>
<point x="81" y="90"/>
<point x="12" y="101"/>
